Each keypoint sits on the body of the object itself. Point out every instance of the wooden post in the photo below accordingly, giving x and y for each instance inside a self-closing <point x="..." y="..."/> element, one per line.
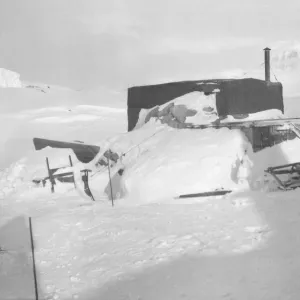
<point x="51" y="178"/>
<point x="71" y="164"/>
<point x="85" y="179"/>
<point x="261" y="141"/>
<point x="111" y="189"/>
<point x="33" y="260"/>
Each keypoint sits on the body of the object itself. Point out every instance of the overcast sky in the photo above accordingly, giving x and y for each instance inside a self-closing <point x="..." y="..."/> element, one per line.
<point x="116" y="44"/>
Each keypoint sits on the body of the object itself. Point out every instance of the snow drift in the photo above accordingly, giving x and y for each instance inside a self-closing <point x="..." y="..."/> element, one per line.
<point x="9" y="79"/>
<point x="192" y="108"/>
<point x="184" y="162"/>
<point x="161" y="162"/>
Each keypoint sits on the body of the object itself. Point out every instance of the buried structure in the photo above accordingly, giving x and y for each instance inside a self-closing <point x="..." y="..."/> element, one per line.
<point x="233" y="97"/>
<point x="237" y="98"/>
<point x="193" y="105"/>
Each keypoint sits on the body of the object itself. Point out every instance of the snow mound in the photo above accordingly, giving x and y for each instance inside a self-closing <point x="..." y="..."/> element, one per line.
<point x="186" y="162"/>
<point x="9" y="79"/>
<point x="161" y="163"/>
<point x="192" y="108"/>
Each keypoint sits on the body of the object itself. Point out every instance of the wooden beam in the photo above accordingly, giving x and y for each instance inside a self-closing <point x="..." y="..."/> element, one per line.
<point x="205" y="194"/>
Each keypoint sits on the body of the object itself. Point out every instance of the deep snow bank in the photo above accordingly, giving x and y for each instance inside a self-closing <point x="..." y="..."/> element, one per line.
<point x="19" y="176"/>
<point x="281" y="154"/>
<point x="162" y="162"/>
<point x="184" y="162"/>
<point x="188" y="161"/>
<point x="9" y="79"/>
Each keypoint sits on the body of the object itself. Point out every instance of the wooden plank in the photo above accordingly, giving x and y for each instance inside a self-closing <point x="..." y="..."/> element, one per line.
<point x="50" y="174"/>
<point x="54" y="176"/>
<point x="282" y="166"/>
<point x="84" y="152"/>
<point x="240" y="124"/>
<point x="205" y="194"/>
<point x="73" y="176"/>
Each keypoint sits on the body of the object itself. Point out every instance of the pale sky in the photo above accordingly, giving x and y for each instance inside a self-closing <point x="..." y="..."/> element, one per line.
<point x="116" y="44"/>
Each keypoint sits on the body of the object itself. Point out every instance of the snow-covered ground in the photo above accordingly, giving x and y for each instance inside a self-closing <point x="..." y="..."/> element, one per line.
<point x="56" y="114"/>
<point x="150" y="245"/>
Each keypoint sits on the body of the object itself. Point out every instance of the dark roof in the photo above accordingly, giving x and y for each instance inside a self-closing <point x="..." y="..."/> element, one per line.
<point x="204" y="81"/>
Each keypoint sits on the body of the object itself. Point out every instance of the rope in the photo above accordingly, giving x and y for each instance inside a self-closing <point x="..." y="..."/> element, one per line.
<point x="130" y="149"/>
<point x="247" y="72"/>
<point x="143" y="141"/>
<point x="274" y="74"/>
<point x="260" y="65"/>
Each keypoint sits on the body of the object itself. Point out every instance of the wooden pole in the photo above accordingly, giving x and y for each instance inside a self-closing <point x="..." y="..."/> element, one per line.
<point x="33" y="260"/>
<point x="111" y="189"/>
<point x="71" y="163"/>
<point x="50" y="175"/>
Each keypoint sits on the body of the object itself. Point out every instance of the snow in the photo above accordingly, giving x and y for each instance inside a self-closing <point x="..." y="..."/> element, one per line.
<point x="9" y="79"/>
<point x="191" y="159"/>
<point x="203" y="106"/>
<point x="143" y="238"/>
<point x="58" y="114"/>
<point x="282" y="154"/>
<point x="149" y="245"/>
<point x="263" y="115"/>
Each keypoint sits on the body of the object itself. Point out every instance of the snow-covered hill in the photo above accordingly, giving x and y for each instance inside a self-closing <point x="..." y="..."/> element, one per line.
<point x="40" y="110"/>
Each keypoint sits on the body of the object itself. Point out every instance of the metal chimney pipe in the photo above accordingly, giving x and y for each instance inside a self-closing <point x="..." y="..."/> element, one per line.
<point x="267" y="64"/>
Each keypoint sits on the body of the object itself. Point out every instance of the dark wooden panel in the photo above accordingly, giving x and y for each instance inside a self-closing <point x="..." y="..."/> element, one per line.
<point x="84" y="152"/>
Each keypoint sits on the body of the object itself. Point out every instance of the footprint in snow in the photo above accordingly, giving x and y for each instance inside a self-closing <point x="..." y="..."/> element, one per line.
<point x="242" y="202"/>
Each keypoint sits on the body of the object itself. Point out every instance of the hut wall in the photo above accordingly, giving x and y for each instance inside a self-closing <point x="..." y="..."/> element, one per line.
<point x="236" y="96"/>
